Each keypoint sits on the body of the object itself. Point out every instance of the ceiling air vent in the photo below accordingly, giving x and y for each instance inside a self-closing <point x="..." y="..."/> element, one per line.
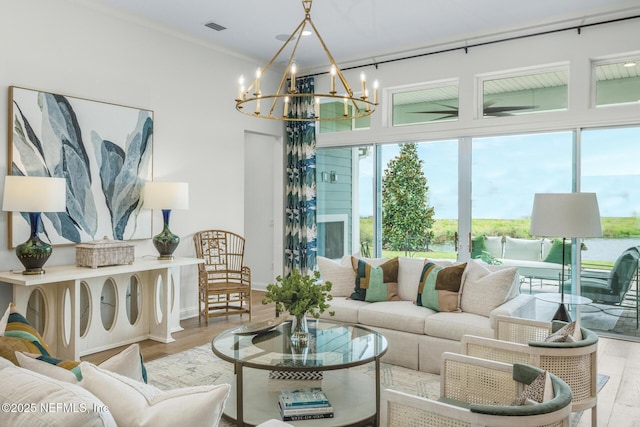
<point x="215" y="26"/>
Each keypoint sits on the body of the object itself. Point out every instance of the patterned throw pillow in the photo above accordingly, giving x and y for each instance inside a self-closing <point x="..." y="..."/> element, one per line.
<point x="19" y="335"/>
<point x="568" y="333"/>
<point x="540" y="390"/>
<point x="375" y="283"/>
<point x="439" y="287"/>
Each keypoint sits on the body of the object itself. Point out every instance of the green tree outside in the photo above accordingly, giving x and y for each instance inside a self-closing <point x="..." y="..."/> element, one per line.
<point x="407" y="217"/>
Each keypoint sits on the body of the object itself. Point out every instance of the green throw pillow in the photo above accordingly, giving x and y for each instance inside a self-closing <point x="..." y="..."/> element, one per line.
<point x="555" y="253"/>
<point x="375" y="283"/>
<point x="439" y="286"/>
<point x="478" y="246"/>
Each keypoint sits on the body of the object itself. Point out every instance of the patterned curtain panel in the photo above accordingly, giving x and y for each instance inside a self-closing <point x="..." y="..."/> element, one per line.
<point x="300" y="189"/>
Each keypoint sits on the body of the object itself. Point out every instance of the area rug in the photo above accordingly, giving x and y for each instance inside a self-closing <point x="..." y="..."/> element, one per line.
<point x="199" y="366"/>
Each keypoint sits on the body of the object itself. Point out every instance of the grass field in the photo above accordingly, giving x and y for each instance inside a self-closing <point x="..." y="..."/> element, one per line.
<point x="444" y="231"/>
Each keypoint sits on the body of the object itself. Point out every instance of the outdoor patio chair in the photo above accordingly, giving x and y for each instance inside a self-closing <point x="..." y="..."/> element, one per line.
<point x="477" y="392"/>
<point x="224" y="282"/>
<point x="522" y="341"/>
<point x="611" y="287"/>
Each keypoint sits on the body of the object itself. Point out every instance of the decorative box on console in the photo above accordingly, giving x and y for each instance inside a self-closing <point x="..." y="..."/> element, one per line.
<point x="100" y="253"/>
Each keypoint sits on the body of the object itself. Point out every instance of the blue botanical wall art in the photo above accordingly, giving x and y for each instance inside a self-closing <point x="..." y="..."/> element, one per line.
<point x="104" y="151"/>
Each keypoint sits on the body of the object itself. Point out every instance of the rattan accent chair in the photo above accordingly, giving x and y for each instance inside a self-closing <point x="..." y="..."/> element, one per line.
<point x="477" y="392"/>
<point x="224" y="282"/>
<point x="522" y="341"/>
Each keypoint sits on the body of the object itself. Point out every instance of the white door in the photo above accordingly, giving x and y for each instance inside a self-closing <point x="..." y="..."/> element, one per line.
<point x="263" y="203"/>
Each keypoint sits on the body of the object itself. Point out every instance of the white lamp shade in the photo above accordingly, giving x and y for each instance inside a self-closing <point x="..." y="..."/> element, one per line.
<point x="565" y="215"/>
<point x="166" y="195"/>
<point x="34" y="194"/>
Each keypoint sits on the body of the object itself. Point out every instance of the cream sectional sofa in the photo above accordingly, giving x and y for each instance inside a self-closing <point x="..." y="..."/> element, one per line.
<point x="417" y="335"/>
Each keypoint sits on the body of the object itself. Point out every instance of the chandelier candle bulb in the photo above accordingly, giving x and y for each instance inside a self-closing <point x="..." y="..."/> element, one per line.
<point x="363" y="79"/>
<point x="286" y="106"/>
<point x="332" y="91"/>
<point x="346" y="106"/>
<point x="375" y="92"/>
<point x="317" y="111"/>
<point x="240" y="87"/>
<point x="258" y="75"/>
<point x="258" y="105"/>
<point x="366" y="96"/>
<point x="293" y="78"/>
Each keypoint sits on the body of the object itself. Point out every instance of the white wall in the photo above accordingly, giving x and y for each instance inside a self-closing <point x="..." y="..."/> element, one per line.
<point x="89" y="50"/>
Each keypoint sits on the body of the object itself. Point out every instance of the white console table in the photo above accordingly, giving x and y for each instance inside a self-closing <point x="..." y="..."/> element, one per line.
<point x="86" y="310"/>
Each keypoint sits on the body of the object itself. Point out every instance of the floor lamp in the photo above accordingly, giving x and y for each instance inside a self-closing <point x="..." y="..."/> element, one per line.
<point x="566" y="215"/>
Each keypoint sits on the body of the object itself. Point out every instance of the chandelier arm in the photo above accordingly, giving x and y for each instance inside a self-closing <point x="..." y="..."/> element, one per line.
<point x="298" y="30"/>
<point x="331" y="60"/>
<point x="266" y="67"/>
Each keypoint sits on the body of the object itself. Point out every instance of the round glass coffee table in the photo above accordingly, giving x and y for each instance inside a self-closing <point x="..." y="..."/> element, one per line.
<point x="333" y="348"/>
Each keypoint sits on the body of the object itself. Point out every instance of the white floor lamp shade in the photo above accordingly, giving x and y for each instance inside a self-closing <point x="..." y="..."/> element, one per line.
<point x="566" y="215"/>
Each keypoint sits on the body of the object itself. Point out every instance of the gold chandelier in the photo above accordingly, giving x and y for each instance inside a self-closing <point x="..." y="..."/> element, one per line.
<point x="252" y="101"/>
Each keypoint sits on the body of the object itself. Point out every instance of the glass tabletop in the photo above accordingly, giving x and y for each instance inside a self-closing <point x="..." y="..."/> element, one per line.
<point x="567" y="299"/>
<point x="332" y="345"/>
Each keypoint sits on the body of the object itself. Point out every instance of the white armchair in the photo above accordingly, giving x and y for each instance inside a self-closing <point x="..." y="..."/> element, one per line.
<point x="477" y="392"/>
<point x="522" y="341"/>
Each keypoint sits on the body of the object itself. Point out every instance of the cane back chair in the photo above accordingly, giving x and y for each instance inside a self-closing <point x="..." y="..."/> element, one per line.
<point x="522" y="341"/>
<point x="477" y="393"/>
<point x="224" y="282"/>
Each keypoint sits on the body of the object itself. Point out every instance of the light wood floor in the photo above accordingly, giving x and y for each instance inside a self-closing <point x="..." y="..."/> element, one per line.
<point x="618" y="402"/>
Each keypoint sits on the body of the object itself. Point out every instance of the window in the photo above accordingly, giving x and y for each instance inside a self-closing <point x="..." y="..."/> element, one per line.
<point x="435" y="103"/>
<point x="524" y="93"/>
<point x="617" y="82"/>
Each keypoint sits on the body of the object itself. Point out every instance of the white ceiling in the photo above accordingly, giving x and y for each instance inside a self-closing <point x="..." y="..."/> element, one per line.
<point x="358" y="31"/>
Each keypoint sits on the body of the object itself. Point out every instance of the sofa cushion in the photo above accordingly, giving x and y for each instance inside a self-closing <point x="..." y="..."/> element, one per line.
<point x="340" y="274"/>
<point x="81" y="408"/>
<point x="484" y="289"/>
<point x="439" y="287"/>
<point x="399" y="315"/>
<point x="133" y="403"/>
<point x="345" y="310"/>
<point x="453" y="326"/>
<point x="373" y="273"/>
<point x="526" y="249"/>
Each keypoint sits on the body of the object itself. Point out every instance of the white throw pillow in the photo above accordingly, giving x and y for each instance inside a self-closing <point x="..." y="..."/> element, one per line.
<point x="525" y="249"/>
<point x="483" y="290"/>
<point x="127" y="363"/>
<point x="136" y="404"/>
<point x="66" y="404"/>
<point x="340" y="274"/>
<point x="493" y="245"/>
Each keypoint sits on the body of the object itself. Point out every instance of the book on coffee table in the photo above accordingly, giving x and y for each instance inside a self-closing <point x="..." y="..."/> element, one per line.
<point x="305" y="410"/>
<point x="308" y="396"/>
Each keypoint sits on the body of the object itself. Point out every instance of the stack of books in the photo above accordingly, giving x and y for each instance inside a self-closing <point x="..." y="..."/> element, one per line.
<point x="308" y="403"/>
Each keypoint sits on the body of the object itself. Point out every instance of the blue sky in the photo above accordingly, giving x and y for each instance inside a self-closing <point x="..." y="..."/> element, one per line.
<point x="507" y="171"/>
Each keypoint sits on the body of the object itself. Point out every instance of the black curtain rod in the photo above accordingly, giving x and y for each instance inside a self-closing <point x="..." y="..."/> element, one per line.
<point x="467" y="47"/>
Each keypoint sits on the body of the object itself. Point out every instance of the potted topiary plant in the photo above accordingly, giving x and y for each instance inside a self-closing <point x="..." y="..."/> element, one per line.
<point x="299" y="294"/>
